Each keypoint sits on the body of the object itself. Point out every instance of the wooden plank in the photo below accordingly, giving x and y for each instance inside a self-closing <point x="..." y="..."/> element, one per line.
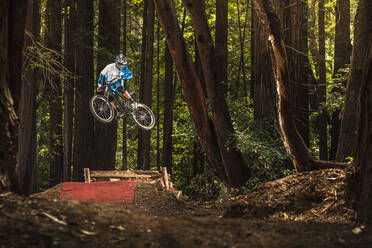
<point x="126" y="174"/>
<point x="87" y="175"/>
<point x="165" y="176"/>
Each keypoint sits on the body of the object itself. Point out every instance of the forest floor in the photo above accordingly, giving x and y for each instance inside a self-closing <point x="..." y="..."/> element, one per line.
<point x="304" y="210"/>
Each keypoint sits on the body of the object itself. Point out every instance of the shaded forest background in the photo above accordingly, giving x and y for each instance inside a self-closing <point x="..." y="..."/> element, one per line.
<point x="216" y="107"/>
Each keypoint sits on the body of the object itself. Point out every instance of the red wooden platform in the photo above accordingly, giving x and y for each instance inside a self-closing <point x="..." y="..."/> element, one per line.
<point x="100" y="192"/>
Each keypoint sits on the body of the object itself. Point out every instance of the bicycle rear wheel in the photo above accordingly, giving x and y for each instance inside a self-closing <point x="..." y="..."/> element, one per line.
<point x="143" y="116"/>
<point x="101" y="109"/>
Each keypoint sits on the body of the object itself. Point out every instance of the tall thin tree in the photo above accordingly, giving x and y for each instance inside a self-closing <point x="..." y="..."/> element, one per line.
<point x="84" y="89"/>
<point x="190" y="83"/>
<point x="108" y="49"/>
<point x="341" y="61"/>
<point x="54" y="38"/>
<point x="68" y="89"/>
<point x="234" y="164"/>
<point x="124" y="49"/>
<point x="144" y="144"/>
<point x="322" y="85"/>
<point x="361" y="68"/>
<point x="12" y="25"/>
<point x="26" y="155"/>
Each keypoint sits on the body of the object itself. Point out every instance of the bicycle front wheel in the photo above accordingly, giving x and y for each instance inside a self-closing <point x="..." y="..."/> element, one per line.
<point x="101" y="109"/>
<point x="143" y="117"/>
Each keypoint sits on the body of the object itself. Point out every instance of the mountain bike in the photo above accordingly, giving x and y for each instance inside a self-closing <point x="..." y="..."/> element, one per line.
<point x="105" y="112"/>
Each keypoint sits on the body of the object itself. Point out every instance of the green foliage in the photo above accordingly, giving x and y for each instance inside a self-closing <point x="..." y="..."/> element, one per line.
<point x="42" y="151"/>
<point x="206" y="186"/>
<point x="260" y="145"/>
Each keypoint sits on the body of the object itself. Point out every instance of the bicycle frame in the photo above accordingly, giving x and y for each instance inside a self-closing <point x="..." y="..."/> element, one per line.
<point x="116" y="96"/>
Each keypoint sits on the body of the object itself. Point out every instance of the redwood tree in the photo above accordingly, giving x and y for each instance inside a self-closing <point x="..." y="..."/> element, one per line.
<point x="262" y="81"/>
<point x="144" y="144"/>
<point x="53" y="41"/>
<point x="231" y="157"/>
<point x="108" y="48"/>
<point x="322" y="85"/>
<point x="12" y="25"/>
<point x="26" y="155"/>
<point x="68" y="90"/>
<point x="348" y="129"/>
<point x="169" y="90"/>
<point x="190" y="83"/>
<point x="84" y="89"/>
<point x="341" y="61"/>
<point x="361" y="69"/>
<point x="302" y="158"/>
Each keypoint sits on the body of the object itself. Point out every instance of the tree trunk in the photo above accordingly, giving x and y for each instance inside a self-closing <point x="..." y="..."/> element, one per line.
<point x="84" y="89"/>
<point x="158" y="97"/>
<point x="221" y="39"/>
<point x="263" y="84"/>
<point x="241" y="70"/>
<point x="362" y="56"/>
<point x="168" y="110"/>
<point x="124" y="48"/>
<point x="108" y="48"/>
<point x="322" y="85"/>
<point x="26" y="155"/>
<point x="348" y="129"/>
<point x="12" y="25"/>
<point x="143" y="152"/>
<point x="54" y="37"/>
<point x="292" y="140"/>
<point x="190" y="83"/>
<point x="341" y="61"/>
<point x="300" y="74"/>
<point x="233" y="163"/>
<point x="68" y="97"/>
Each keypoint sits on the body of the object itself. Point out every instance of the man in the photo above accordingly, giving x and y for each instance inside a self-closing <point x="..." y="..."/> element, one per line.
<point x="116" y="72"/>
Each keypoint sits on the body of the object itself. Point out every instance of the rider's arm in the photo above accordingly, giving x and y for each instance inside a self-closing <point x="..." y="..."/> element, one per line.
<point x="100" y="80"/>
<point x="127" y="73"/>
<point x="102" y="76"/>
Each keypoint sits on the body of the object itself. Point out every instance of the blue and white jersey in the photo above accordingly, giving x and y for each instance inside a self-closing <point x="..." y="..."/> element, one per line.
<point x="111" y="71"/>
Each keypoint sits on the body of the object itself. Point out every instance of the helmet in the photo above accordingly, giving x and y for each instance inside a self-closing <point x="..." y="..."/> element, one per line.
<point x="120" y="61"/>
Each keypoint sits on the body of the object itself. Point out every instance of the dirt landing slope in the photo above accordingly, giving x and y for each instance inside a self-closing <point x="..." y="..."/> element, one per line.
<point x="158" y="220"/>
<point x="309" y="196"/>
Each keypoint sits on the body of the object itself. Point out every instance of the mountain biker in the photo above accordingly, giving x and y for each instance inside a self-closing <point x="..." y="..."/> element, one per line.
<point x="117" y="72"/>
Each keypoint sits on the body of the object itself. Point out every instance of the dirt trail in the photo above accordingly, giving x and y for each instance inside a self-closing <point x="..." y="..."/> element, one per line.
<point x="306" y="210"/>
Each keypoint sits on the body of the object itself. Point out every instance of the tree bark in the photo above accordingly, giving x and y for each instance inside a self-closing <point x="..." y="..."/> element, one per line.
<point x="298" y="63"/>
<point x="361" y="71"/>
<point x="262" y="80"/>
<point x="68" y="96"/>
<point x="26" y="155"/>
<point x="293" y="142"/>
<point x="348" y="129"/>
<point x="124" y="48"/>
<point x="54" y="37"/>
<point x="322" y="85"/>
<point x="341" y="61"/>
<point x="233" y="163"/>
<point x="242" y="67"/>
<point x="190" y="83"/>
<point x="144" y="144"/>
<point x="167" y="160"/>
<point x="12" y="25"/>
<point x="84" y="89"/>
<point x="221" y="38"/>
<point x="108" y="49"/>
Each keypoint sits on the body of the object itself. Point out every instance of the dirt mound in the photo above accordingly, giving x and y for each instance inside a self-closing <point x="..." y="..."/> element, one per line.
<point x="309" y="196"/>
<point x="157" y="219"/>
<point x="150" y="199"/>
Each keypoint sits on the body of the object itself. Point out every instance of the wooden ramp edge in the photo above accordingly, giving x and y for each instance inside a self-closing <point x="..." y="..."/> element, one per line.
<point x="162" y="176"/>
